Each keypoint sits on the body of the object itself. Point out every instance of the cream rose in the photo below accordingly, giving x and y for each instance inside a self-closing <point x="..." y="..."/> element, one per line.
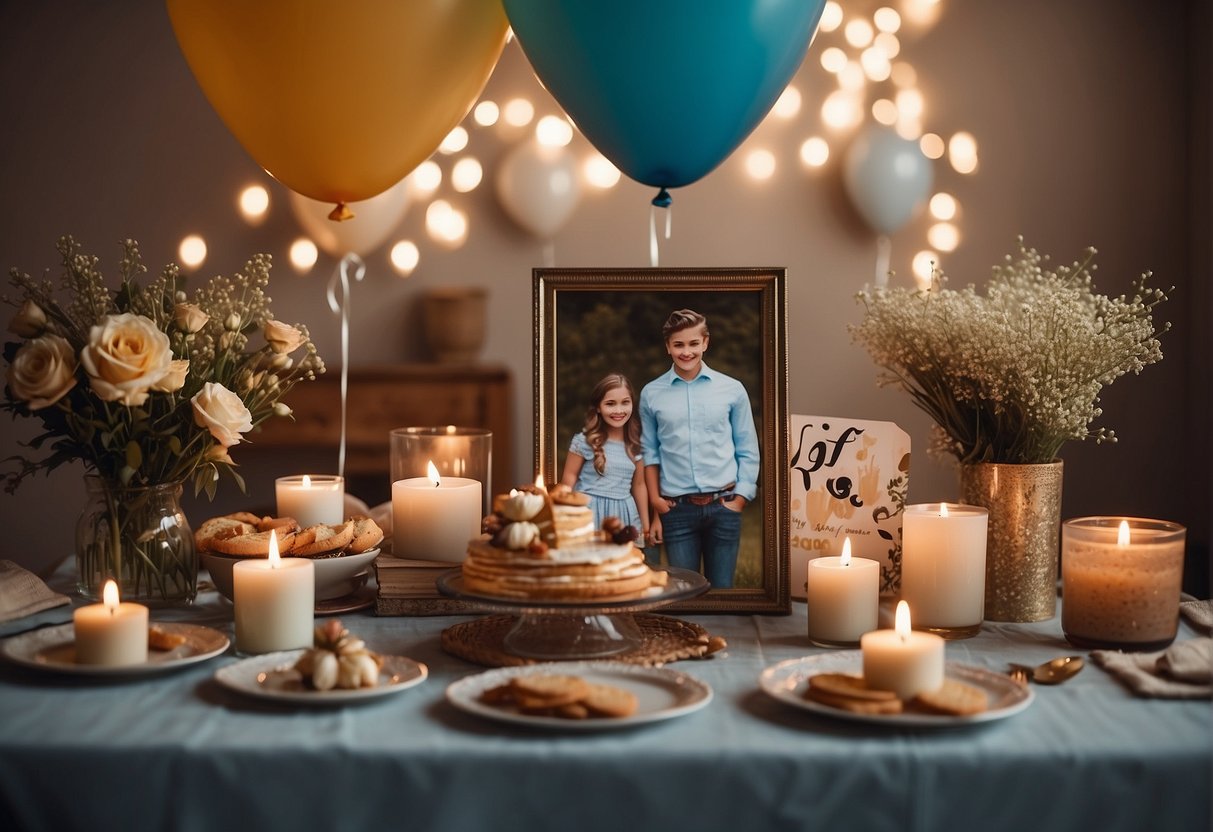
<point x="174" y="379"/>
<point x="282" y="338"/>
<point x="221" y="411"/>
<point x="189" y="317"/>
<point x="126" y="355"/>
<point x="43" y="370"/>
<point x="29" y="321"/>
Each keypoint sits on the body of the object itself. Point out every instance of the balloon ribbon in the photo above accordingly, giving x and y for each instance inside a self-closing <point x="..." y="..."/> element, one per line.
<point x="883" y="247"/>
<point x="662" y="200"/>
<point x="342" y="276"/>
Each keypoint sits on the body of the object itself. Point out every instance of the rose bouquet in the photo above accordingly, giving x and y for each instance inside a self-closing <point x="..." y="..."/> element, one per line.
<point x="1009" y="376"/>
<point x="148" y="387"/>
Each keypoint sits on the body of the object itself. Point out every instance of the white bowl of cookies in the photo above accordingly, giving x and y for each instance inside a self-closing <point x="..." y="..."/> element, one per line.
<point x="342" y="552"/>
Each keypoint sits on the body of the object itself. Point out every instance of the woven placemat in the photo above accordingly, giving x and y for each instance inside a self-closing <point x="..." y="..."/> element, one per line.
<point x="666" y="639"/>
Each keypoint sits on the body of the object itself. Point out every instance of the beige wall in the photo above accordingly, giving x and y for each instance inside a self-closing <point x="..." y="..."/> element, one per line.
<point x="1092" y="123"/>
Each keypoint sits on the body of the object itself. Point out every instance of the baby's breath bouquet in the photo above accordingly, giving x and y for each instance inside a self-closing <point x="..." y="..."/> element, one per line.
<point x="149" y="387"/>
<point x="1010" y="375"/>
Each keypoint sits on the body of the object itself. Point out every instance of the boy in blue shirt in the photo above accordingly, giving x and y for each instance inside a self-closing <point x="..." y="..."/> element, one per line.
<point x="700" y="454"/>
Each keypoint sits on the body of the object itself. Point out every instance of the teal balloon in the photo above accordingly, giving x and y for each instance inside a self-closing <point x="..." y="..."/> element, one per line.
<point x="665" y="89"/>
<point x="887" y="177"/>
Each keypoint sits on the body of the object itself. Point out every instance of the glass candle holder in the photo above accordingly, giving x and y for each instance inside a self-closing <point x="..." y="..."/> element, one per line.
<point x="1121" y="579"/>
<point x="461" y="452"/>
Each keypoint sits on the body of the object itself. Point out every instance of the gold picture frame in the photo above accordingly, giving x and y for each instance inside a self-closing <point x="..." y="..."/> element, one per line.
<point x="589" y="321"/>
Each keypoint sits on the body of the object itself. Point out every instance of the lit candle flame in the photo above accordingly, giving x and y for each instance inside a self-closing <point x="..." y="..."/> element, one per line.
<point x="943" y="509"/>
<point x="1122" y="534"/>
<point x="845" y="560"/>
<point x="901" y="621"/>
<point x="539" y="483"/>
<point x="109" y="596"/>
<point x="307" y="481"/>
<point x="275" y="560"/>
<point x="431" y="471"/>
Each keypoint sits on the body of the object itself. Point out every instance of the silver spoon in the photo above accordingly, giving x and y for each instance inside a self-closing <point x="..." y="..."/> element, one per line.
<point x="1052" y="672"/>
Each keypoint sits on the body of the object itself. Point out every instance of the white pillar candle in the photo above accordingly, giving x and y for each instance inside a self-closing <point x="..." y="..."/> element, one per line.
<point x="433" y="517"/>
<point x="311" y="498"/>
<point x="943" y="566"/>
<point x="110" y="633"/>
<point x="1121" y="579"/>
<point x="902" y="661"/>
<point x="844" y="598"/>
<point x="275" y="602"/>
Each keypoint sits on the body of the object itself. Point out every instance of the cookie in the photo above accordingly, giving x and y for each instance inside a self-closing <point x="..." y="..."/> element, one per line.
<point x="267" y="523"/>
<point x="366" y="536"/>
<point x="499" y="695"/>
<point x="220" y="528"/>
<point x="548" y="690"/>
<point x="846" y="685"/>
<point x="610" y="701"/>
<point x="159" y="638"/>
<point x="245" y="517"/>
<point x="321" y="539"/>
<point x="254" y="544"/>
<point x="954" y="698"/>
<point x="853" y="704"/>
<point x="574" y="710"/>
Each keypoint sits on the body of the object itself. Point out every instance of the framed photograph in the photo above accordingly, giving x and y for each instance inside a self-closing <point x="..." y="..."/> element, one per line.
<point x="680" y="375"/>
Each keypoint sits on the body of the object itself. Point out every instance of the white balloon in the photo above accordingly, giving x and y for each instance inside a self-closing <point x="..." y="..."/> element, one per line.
<point x="887" y="177"/>
<point x="537" y="186"/>
<point x="373" y="223"/>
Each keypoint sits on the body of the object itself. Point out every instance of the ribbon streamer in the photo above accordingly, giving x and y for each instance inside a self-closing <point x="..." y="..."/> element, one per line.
<point x="884" y="247"/>
<point x="662" y="200"/>
<point x="549" y="254"/>
<point x="341" y="276"/>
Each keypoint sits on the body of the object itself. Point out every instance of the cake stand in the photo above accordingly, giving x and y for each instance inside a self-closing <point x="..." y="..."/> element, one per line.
<point x="576" y="629"/>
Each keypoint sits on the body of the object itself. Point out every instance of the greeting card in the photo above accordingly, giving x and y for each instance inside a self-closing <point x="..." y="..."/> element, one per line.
<point x="847" y="478"/>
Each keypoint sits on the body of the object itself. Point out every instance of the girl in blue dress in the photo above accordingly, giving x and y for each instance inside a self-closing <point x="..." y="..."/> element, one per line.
<point x="604" y="460"/>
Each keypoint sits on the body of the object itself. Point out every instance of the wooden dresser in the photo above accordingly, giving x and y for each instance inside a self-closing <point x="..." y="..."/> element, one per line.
<point x="383" y="397"/>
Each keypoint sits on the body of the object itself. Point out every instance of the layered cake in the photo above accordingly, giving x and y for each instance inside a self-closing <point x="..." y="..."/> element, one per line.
<point x="544" y="545"/>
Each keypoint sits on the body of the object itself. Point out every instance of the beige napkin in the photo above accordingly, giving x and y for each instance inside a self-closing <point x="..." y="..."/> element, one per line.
<point x="1198" y="613"/>
<point x="1182" y="671"/>
<point x="23" y="593"/>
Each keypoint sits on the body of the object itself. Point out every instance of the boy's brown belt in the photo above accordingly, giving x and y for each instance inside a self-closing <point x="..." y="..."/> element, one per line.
<point x="724" y="494"/>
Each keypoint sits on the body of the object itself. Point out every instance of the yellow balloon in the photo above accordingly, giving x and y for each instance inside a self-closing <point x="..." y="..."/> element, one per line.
<point x="340" y="100"/>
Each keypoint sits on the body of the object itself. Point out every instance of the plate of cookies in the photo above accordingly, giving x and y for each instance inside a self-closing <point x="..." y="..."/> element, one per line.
<point x="342" y="552"/>
<point x="580" y="696"/>
<point x="831" y="684"/>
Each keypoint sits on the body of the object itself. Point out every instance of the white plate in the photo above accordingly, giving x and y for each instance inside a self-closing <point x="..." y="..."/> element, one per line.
<point x="54" y="649"/>
<point x="272" y="677"/>
<point x="788" y="680"/>
<point x="661" y="694"/>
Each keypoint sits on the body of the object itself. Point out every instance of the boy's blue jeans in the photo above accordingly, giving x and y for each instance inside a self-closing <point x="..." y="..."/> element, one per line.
<point x="713" y="530"/>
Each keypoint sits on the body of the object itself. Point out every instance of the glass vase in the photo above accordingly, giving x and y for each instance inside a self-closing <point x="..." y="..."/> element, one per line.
<point x="139" y="537"/>
<point x="1022" y="536"/>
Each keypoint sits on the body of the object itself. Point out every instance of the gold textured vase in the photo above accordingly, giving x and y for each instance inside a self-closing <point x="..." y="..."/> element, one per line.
<point x="1022" y="538"/>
